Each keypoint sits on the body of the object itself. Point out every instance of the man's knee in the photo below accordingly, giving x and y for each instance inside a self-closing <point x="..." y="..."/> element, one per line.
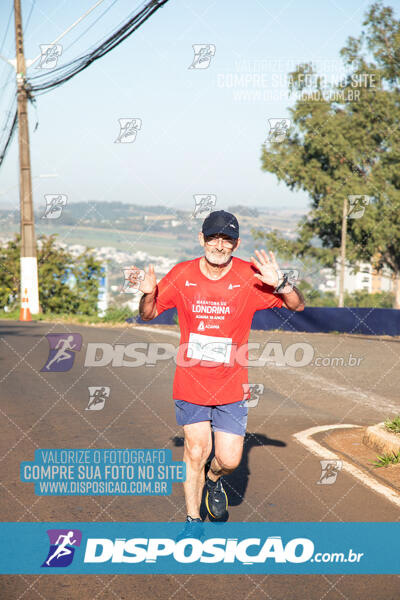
<point x="228" y="462"/>
<point x="197" y="452"/>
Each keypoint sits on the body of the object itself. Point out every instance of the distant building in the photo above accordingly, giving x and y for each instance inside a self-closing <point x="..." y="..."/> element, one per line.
<point x="365" y="279"/>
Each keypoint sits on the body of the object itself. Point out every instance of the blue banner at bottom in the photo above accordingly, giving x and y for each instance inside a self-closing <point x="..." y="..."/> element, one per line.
<point x="213" y="548"/>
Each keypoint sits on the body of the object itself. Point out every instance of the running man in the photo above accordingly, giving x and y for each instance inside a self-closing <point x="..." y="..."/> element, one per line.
<point x="62" y="346"/>
<point x="216" y="296"/>
<point x="62" y="549"/>
<point x="98" y="396"/>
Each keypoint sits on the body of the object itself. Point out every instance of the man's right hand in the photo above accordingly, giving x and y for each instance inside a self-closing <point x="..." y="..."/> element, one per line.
<point x="147" y="304"/>
<point x="149" y="283"/>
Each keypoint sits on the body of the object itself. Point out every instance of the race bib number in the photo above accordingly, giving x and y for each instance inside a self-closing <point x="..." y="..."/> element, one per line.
<point x="209" y="347"/>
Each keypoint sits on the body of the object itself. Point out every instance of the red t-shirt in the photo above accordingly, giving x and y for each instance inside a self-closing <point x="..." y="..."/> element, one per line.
<point x="209" y="370"/>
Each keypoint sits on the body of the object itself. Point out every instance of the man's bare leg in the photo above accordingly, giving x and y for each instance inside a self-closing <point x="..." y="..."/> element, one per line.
<point x="197" y="448"/>
<point x="228" y="453"/>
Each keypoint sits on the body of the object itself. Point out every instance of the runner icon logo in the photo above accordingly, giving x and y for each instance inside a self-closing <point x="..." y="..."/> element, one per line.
<point x="132" y="279"/>
<point x="330" y="470"/>
<point x="357" y="206"/>
<point x="255" y="390"/>
<point x="97" y="397"/>
<point x="278" y="130"/>
<point x="54" y="205"/>
<point x="50" y="53"/>
<point x="62" y="351"/>
<point x="203" y="205"/>
<point x="128" y="129"/>
<point x="203" y="54"/>
<point x="62" y="547"/>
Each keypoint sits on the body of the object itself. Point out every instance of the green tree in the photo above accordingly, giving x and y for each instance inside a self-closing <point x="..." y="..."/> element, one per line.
<point x="9" y="273"/>
<point x="87" y="272"/>
<point x="66" y="284"/>
<point x="346" y="143"/>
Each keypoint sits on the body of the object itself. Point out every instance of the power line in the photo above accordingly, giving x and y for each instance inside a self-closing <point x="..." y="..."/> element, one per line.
<point x="2" y="47"/>
<point x="69" y="70"/>
<point x="91" y="25"/>
<point x="66" y="72"/>
<point x="5" y="37"/>
<point x="14" y="122"/>
<point x="8" y="114"/>
<point x="7" y="28"/>
<point x="9" y="138"/>
<point x="29" y="16"/>
<point x="105" y="37"/>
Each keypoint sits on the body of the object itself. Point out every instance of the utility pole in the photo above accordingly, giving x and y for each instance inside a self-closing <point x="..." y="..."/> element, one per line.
<point x="28" y="262"/>
<point x="343" y="253"/>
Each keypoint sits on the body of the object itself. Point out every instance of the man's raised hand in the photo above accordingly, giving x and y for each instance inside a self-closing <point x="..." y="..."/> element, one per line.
<point x="149" y="283"/>
<point x="268" y="267"/>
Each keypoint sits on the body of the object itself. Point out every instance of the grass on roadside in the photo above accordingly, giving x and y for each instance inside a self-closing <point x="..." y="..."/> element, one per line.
<point x="113" y="315"/>
<point x="393" y="425"/>
<point x="384" y="460"/>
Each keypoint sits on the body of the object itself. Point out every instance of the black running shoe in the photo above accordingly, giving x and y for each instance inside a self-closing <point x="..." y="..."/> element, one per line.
<point x="194" y="528"/>
<point x="216" y="498"/>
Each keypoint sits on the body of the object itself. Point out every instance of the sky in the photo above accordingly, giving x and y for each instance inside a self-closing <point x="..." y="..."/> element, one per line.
<point x="201" y="131"/>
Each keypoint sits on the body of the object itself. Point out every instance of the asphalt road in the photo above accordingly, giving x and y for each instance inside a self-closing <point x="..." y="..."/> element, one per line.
<point x="276" y="481"/>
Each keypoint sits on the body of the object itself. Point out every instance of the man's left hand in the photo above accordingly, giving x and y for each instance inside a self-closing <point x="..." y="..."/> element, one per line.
<point x="268" y="267"/>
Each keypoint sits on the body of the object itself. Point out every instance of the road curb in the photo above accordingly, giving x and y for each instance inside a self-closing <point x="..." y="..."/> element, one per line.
<point x="380" y="439"/>
<point x="305" y="438"/>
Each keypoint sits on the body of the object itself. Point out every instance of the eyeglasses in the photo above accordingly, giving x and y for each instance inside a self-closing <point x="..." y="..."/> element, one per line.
<point x="226" y="242"/>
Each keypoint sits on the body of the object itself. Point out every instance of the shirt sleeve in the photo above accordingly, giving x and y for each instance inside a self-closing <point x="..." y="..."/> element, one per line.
<point x="167" y="292"/>
<point x="264" y="298"/>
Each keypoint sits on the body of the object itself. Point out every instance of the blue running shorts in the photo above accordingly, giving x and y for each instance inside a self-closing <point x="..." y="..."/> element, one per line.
<point x="231" y="418"/>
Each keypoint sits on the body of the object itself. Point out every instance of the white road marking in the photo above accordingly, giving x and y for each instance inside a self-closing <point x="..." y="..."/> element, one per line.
<point x="304" y="438"/>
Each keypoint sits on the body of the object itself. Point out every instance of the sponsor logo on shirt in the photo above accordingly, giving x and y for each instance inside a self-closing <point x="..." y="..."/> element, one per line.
<point x="189" y="283"/>
<point x="202" y="326"/>
<point x="230" y="286"/>
<point x="209" y="310"/>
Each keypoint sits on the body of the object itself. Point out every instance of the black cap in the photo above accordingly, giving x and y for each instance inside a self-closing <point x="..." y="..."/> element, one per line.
<point x="220" y="221"/>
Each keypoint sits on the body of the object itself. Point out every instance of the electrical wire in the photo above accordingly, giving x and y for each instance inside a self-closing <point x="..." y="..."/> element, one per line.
<point x="66" y="72"/>
<point x="91" y="25"/>
<point x="29" y="16"/>
<point x="43" y="82"/>
<point x="7" y="28"/>
<point x="9" y="138"/>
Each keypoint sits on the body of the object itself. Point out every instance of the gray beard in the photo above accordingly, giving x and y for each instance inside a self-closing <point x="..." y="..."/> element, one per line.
<point x="221" y="265"/>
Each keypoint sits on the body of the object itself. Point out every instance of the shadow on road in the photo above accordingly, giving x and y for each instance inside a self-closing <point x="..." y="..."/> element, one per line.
<point x="236" y="483"/>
